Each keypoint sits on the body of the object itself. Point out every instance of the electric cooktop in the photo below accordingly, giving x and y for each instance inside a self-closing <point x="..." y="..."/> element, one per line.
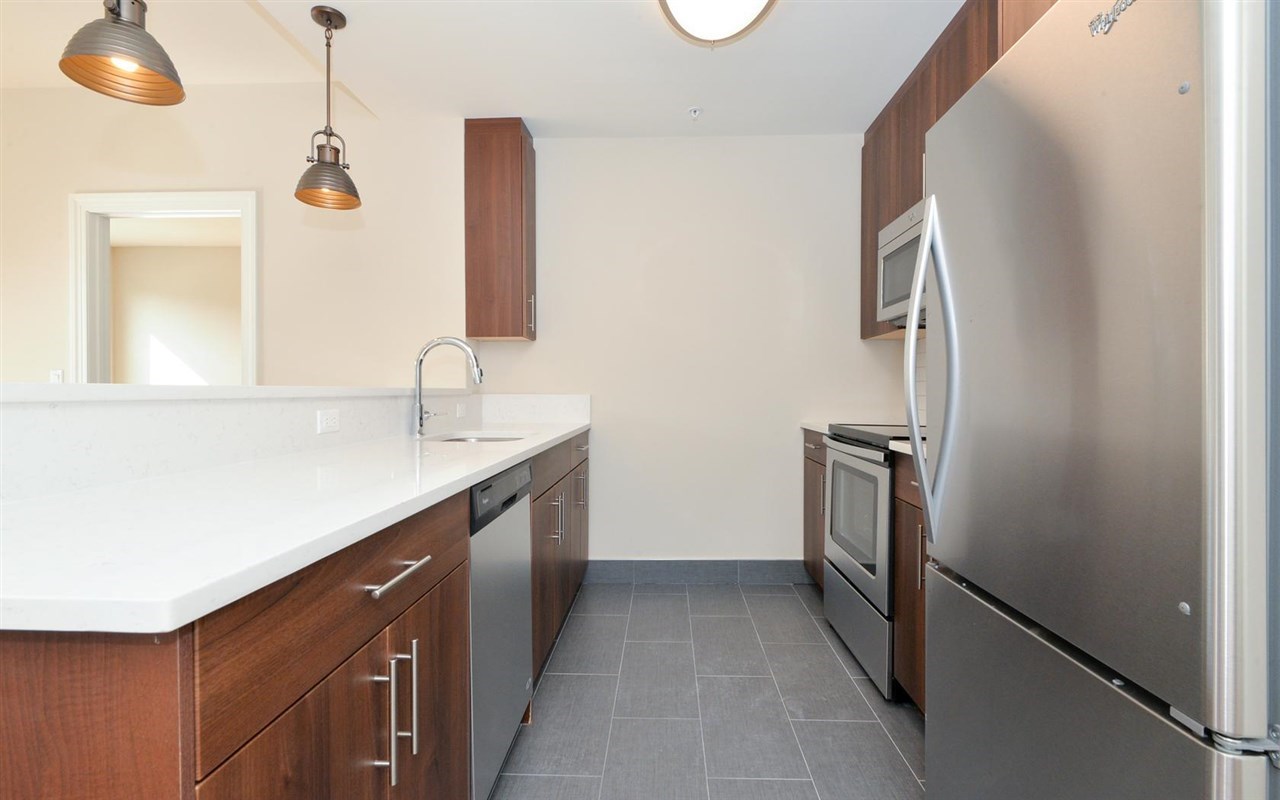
<point x="878" y="435"/>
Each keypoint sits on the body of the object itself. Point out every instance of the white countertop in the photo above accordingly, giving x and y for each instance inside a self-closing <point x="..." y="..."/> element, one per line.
<point x="899" y="446"/>
<point x="816" y="427"/>
<point x="150" y="556"/>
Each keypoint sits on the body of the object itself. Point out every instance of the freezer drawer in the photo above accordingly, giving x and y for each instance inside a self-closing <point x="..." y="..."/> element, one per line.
<point x="1012" y="716"/>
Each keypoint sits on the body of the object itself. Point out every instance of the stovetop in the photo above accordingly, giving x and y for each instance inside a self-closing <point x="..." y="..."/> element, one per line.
<point x="878" y="435"/>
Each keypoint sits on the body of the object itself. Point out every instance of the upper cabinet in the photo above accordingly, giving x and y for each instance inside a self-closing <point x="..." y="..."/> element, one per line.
<point x="501" y="275"/>
<point x="893" y="164"/>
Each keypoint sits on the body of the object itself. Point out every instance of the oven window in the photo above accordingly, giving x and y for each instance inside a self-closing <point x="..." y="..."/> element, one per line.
<point x="899" y="267"/>
<point x="853" y="514"/>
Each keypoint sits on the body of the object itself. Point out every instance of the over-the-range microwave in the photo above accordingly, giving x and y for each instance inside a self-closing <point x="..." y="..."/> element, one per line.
<point x="896" y="265"/>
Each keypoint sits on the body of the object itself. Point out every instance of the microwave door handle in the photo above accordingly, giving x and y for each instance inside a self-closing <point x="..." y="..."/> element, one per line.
<point x="930" y="244"/>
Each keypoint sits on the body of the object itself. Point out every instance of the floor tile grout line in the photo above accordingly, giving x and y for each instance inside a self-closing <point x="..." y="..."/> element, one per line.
<point x="854" y="680"/>
<point x="783" y="702"/>
<point x="548" y="775"/>
<point x="616" y="689"/>
<point x="697" y="693"/>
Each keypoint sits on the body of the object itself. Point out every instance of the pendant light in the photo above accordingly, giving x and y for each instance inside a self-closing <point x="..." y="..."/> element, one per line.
<point x="715" y="22"/>
<point x="326" y="183"/>
<point x="117" y="57"/>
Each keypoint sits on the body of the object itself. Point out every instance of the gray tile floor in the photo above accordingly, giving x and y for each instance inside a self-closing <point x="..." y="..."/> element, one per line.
<point x="718" y="692"/>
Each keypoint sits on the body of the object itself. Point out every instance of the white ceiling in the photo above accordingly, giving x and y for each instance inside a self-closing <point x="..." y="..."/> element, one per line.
<point x="177" y="232"/>
<point x="569" y="67"/>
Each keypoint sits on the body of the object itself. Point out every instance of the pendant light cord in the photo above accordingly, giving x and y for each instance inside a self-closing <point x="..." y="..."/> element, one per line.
<point x="328" y="83"/>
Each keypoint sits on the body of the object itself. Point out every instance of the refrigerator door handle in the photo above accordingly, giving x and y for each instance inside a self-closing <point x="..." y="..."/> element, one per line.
<point x="931" y="487"/>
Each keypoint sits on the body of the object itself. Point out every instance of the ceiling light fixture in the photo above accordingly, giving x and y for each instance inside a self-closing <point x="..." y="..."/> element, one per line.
<point x="715" y="22"/>
<point x="117" y="57"/>
<point x="326" y="183"/>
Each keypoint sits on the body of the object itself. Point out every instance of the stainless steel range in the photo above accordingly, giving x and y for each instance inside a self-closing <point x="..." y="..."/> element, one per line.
<point x="858" y="550"/>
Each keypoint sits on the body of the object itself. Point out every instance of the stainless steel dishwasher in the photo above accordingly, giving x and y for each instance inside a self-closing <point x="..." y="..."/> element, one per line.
<point x="501" y="621"/>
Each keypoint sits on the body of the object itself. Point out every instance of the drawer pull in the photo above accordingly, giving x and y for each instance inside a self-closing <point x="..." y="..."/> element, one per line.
<point x="916" y="484"/>
<point x="813" y="446"/>
<point x="413" y="566"/>
<point x="582" y="448"/>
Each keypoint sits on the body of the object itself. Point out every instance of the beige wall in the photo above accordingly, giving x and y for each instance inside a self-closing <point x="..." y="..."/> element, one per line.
<point x="704" y="292"/>
<point x="183" y="302"/>
<point x="346" y="297"/>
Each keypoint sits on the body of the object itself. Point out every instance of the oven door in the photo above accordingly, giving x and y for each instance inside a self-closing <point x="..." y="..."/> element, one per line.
<point x="857" y="505"/>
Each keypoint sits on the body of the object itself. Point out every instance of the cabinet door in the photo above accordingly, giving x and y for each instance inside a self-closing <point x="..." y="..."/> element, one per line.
<point x="529" y="225"/>
<point x="908" y="599"/>
<point x="1017" y="17"/>
<point x="324" y="746"/>
<point x="966" y="51"/>
<point x="439" y="623"/>
<point x="498" y="159"/>
<point x="545" y="565"/>
<point x="575" y="548"/>
<point x="815" y="477"/>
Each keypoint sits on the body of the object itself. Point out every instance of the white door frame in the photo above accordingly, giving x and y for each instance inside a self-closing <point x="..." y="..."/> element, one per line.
<point x="91" y="215"/>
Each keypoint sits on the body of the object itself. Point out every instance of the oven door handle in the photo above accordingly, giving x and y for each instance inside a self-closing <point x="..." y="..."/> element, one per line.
<point x="864" y="453"/>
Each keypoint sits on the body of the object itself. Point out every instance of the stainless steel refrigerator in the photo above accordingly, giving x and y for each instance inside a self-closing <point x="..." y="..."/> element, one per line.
<point x="1095" y="270"/>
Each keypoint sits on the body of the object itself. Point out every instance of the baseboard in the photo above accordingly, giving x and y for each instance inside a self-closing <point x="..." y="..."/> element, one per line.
<point x="698" y="571"/>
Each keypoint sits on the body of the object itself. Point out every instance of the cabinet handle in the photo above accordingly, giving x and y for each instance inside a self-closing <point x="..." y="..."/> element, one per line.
<point x="413" y="566"/>
<point x="582" y="448"/>
<point x="556" y="504"/>
<point x="412" y="658"/>
<point x="583" y="501"/>
<point x="393" y="760"/>
<point x="533" y="314"/>
<point x="916" y="484"/>
<point x="813" y="446"/>
<point x="920" y="572"/>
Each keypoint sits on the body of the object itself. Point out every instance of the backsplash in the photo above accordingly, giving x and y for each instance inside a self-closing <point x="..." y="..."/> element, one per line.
<point x="93" y="439"/>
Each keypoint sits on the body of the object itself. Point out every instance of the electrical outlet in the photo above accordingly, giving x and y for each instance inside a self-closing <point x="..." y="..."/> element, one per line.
<point x="327" y="421"/>
<point x="461" y="410"/>
<point x="55" y="376"/>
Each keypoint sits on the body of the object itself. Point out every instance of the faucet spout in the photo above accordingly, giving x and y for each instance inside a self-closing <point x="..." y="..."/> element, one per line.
<point x="477" y="374"/>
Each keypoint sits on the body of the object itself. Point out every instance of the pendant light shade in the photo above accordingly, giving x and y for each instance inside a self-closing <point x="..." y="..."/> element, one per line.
<point x="117" y="57"/>
<point x="326" y="184"/>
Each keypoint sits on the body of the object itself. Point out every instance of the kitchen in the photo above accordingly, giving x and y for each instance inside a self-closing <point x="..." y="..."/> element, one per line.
<point x="706" y="225"/>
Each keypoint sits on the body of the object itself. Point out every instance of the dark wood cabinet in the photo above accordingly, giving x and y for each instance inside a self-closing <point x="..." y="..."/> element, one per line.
<point x="815" y="482"/>
<point x="285" y="693"/>
<point x="324" y="746"/>
<point x="561" y="541"/>
<point x="1017" y="17"/>
<point x="501" y="274"/>
<point x="908" y="599"/>
<point x="964" y="52"/>
<point x="893" y="166"/>
<point x="439" y="623"/>
<point x="548" y="593"/>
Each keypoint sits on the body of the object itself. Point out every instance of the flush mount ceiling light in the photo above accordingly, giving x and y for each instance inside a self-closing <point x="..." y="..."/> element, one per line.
<point x="117" y="57"/>
<point x="715" y="22"/>
<point x="326" y="183"/>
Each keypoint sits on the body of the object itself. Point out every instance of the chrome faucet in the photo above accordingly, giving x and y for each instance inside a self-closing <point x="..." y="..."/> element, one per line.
<point x="420" y="415"/>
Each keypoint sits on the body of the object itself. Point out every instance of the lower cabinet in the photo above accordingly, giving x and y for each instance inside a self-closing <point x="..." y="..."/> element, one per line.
<point x="560" y="548"/>
<point x="908" y="599"/>
<point x="392" y="721"/>
<point x="815" y="482"/>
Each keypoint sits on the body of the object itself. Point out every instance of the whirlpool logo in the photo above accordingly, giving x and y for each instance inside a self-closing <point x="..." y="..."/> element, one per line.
<point x="1103" y="22"/>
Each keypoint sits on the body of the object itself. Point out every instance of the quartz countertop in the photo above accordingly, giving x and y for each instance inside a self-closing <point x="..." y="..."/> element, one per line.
<point x="816" y="427"/>
<point x="152" y="555"/>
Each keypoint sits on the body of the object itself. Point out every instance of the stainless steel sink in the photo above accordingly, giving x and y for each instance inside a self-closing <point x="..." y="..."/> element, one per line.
<point x="476" y="437"/>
